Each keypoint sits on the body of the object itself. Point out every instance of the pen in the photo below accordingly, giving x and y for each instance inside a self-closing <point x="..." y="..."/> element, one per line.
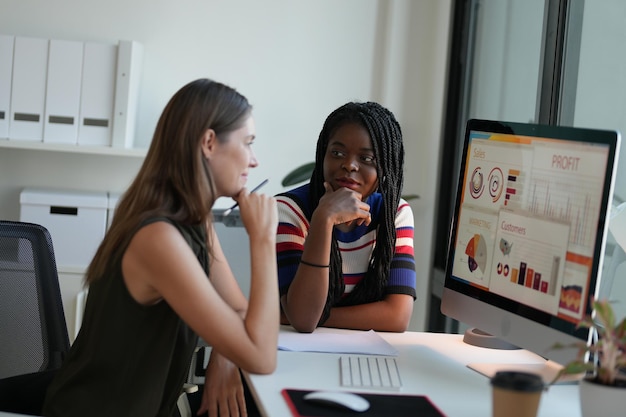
<point x="229" y="210"/>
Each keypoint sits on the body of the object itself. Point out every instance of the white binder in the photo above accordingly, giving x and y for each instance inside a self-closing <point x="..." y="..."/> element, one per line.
<point x="6" y="69"/>
<point x="28" y="88"/>
<point x="129" y="64"/>
<point x="97" y="94"/>
<point x="65" y="62"/>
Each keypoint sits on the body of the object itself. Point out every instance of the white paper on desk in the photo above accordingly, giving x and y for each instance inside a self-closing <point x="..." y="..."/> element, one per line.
<point x="366" y="342"/>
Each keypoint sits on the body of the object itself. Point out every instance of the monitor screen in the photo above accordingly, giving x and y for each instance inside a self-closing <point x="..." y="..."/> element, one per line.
<point x="528" y="234"/>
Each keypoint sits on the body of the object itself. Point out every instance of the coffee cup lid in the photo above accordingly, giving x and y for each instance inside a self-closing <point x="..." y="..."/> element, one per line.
<point x="517" y="381"/>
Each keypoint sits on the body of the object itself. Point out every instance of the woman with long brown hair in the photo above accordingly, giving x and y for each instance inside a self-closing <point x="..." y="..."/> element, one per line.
<point x="160" y="278"/>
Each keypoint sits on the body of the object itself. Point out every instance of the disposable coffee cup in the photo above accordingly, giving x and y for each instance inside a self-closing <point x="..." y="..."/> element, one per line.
<point x="516" y="394"/>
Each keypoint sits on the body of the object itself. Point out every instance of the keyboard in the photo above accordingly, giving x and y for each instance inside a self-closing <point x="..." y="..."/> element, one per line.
<point x="369" y="371"/>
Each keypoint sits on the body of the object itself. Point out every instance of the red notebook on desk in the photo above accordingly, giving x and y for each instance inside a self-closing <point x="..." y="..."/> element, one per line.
<point x="381" y="405"/>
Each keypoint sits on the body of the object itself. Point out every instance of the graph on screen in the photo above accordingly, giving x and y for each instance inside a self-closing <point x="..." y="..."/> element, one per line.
<point x="576" y="202"/>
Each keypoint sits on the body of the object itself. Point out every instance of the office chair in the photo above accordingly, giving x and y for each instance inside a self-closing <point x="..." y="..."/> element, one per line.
<point x="33" y="332"/>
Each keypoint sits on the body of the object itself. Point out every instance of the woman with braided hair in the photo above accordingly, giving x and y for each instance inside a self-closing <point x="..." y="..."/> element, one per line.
<point x="345" y="240"/>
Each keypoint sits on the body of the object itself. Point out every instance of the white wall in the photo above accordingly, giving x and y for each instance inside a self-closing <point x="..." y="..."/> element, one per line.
<point x="296" y="61"/>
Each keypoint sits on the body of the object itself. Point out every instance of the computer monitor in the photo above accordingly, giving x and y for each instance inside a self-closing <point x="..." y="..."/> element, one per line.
<point x="528" y="235"/>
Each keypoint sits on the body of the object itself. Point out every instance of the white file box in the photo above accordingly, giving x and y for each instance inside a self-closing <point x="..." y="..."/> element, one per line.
<point x="76" y="221"/>
<point x="128" y="75"/>
<point x="97" y="94"/>
<point x="65" y="68"/>
<point x="28" y="88"/>
<point x="6" y="70"/>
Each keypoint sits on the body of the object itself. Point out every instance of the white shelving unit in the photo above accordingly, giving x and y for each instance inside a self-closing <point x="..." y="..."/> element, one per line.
<point x="59" y="147"/>
<point x="44" y="165"/>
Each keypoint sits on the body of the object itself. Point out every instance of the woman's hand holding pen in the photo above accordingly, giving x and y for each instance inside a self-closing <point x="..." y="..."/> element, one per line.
<point x="258" y="213"/>
<point x="231" y="208"/>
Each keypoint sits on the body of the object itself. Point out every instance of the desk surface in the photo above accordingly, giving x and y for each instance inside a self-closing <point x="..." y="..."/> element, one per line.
<point x="431" y="364"/>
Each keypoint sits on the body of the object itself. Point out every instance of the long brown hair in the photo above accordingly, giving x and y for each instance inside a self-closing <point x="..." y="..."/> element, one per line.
<point x="174" y="180"/>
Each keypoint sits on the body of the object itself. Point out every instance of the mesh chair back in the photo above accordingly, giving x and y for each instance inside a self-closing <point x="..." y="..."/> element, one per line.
<point x="33" y="332"/>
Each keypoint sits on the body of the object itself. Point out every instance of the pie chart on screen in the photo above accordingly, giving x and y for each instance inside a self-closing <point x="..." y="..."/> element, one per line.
<point x="476" y="251"/>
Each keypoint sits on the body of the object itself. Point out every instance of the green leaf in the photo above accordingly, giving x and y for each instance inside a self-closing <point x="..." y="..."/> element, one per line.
<point x="573" y="368"/>
<point x="609" y="349"/>
<point x="578" y="367"/>
<point x="604" y="314"/>
<point x="298" y="175"/>
<point x="408" y="197"/>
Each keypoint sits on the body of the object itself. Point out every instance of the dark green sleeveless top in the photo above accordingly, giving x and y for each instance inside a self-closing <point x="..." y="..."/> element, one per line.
<point x="128" y="359"/>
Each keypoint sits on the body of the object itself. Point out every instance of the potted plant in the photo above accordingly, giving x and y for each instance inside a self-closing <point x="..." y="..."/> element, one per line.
<point x="603" y="361"/>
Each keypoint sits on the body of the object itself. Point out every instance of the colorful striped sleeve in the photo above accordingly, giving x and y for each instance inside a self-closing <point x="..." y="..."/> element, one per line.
<point x="402" y="277"/>
<point x="293" y="228"/>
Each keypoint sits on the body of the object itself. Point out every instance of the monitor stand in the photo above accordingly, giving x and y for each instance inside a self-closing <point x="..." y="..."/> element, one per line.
<point x="548" y="369"/>
<point x="477" y="337"/>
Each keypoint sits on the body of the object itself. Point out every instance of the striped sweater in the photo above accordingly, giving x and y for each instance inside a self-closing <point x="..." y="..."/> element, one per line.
<point x="356" y="246"/>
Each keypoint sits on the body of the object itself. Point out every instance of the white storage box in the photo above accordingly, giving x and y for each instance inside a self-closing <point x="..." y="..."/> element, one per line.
<point x="76" y="221"/>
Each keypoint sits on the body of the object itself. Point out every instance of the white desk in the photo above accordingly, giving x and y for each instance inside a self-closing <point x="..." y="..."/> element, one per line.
<point x="431" y="364"/>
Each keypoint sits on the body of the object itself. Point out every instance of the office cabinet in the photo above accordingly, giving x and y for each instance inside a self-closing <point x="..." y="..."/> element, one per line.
<point x="76" y="221"/>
